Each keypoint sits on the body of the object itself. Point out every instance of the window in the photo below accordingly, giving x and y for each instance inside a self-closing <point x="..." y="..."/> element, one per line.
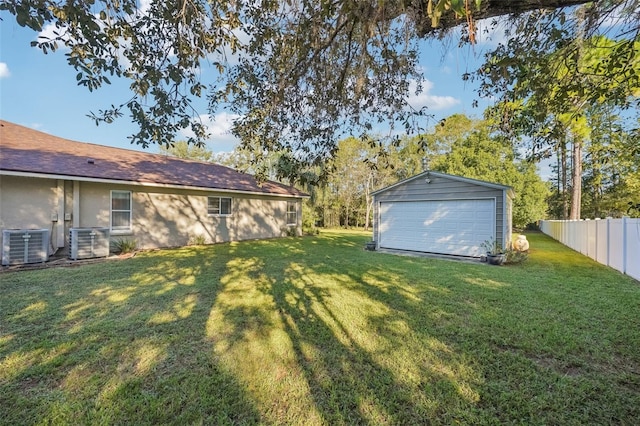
<point x="121" y="211"/>
<point x="219" y="206"/>
<point x="292" y="213"/>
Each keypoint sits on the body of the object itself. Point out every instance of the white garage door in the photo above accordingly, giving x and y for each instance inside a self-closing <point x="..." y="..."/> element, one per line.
<point x="451" y="227"/>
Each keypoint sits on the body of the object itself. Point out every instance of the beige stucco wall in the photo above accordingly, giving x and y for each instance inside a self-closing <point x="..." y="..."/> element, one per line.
<point x="165" y="217"/>
<point x="30" y="203"/>
<point x="162" y="217"/>
<point x="27" y="202"/>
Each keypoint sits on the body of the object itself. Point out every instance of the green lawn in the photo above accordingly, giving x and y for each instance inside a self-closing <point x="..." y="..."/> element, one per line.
<point x="316" y="330"/>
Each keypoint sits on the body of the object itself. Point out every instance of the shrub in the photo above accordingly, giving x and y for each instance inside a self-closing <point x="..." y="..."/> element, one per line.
<point x="492" y="246"/>
<point x="123" y="245"/>
<point x="309" y="219"/>
<point x="197" y="240"/>
<point x="290" y="231"/>
<point x="515" y="256"/>
<point x="310" y="229"/>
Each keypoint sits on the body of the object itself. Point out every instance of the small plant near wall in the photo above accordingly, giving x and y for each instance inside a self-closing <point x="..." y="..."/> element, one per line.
<point x="197" y="240"/>
<point x="495" y="252"/>
<point x="289" y="231"/>
<point x="514" y="257"/>
<point x="492" y="246"/>
<point x="123" y="246"/>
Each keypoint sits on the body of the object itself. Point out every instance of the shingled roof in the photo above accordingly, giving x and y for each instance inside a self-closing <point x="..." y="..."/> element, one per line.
<point x="27" y="151"/>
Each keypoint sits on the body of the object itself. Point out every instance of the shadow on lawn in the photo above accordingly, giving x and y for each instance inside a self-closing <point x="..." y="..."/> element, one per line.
<point x="297" y="331"/>
<point x="129" y="347"/>
<point x="358" y="348"/>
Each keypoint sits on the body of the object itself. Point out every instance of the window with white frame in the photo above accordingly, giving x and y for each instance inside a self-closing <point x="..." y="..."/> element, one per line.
<point x="120" y="211"/>
<point x="292" y="213"/>
<point x="219" y="206"/>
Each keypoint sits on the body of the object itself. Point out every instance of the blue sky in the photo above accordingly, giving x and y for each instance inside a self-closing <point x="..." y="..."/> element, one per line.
<point x="40" y="91"/>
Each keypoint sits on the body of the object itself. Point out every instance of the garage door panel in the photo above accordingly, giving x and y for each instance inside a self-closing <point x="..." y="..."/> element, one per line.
<point x="451" y="227"/>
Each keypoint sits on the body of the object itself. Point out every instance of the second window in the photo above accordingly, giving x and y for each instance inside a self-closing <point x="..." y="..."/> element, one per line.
<point x="219" y="206"/>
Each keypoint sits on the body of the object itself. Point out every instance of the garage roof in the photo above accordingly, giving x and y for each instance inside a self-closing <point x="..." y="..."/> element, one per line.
<point x="448" y="176"/>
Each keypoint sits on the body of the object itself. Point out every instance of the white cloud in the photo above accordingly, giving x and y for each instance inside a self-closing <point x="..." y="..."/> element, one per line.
<point x="145" y="5"/>
<point x="491" y="32"/>
<point x="219" y="127"/>
<point x="51" y="32"/>
<point x="4" y="70"/>
<point x="426" y="99"/>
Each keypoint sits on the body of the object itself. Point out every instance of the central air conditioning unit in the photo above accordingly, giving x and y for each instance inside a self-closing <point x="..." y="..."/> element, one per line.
<point x="87" y="243"/>
<point x="24" y="246"/>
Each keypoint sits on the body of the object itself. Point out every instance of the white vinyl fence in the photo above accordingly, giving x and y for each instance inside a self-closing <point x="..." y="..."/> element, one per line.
<point x="612" y="242"/>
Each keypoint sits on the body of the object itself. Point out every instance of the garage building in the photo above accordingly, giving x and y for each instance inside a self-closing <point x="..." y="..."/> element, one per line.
<point x="439" y="213"/>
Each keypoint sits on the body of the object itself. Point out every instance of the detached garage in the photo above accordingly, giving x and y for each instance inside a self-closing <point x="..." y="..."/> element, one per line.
<point x="435" y="212"/>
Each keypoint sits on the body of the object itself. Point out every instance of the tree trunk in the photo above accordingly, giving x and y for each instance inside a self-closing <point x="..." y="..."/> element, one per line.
<point x="368" y="203"/>
<point x="576" y="187"/>
<point x="563" y="168"/>
<point x="347" y="213"/>
<point x="366" y="215"/>
<point x="597" y="183"/>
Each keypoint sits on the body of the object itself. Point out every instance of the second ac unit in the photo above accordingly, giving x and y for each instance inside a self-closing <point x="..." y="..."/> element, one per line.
<point x="86" y="243"/>
<point x="24" y="246"/>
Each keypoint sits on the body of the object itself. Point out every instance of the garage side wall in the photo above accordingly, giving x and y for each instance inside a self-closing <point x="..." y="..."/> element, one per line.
<point x="441" y="188"/>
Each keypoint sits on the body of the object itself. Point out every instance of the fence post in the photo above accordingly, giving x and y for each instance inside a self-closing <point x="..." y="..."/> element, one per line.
<point x="595" y="238"/>
<point x="608" y="241"/>
<point x="587" y="223"/>
<point x="624" y="244"/>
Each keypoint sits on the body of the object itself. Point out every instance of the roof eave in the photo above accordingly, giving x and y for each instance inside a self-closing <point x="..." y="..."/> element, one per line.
<point x="448" y="176"/>
<point x="145" y="184"/>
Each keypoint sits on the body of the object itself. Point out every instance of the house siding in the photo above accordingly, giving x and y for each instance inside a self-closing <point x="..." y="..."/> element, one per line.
<point x="27" y="203"/>
<point x="169" y="218"/>
<point x="443" y="188"/>
<point x="161" y="217"/>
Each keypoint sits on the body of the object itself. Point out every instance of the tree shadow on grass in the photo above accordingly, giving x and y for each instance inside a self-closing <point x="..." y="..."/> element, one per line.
<point x="124" y="348"/>
<point x="291" y="331"/>
<point x="343" y="344"/>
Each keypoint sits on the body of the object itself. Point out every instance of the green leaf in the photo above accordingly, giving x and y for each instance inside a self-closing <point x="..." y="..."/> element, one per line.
<point x="22" y="17"/>
<point x="458" y="7"/>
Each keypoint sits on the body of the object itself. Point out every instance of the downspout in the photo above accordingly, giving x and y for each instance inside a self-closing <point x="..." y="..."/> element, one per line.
<point x="60" y="216"/>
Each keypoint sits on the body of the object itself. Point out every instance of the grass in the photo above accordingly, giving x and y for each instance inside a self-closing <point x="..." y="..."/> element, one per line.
<point x="316" y="330"/>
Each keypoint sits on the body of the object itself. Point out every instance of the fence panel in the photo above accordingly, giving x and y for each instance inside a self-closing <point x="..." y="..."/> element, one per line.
<point x="616" y="244"/>
<point x="602" y="238"/>
<point x="612" y="242"/>
<point x="591" y="227"/>
<point x="633" y="248"/>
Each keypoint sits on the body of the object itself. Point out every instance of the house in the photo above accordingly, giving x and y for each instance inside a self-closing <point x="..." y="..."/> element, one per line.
<point x="55" y="184"/>
<point x="435" y="212"/>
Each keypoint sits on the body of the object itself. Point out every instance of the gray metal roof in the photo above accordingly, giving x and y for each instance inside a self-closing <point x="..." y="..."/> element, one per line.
<point x="452" y="177"/>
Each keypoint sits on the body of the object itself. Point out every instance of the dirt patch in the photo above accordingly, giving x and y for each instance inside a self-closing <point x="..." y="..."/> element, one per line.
<point x="563" y="368"/>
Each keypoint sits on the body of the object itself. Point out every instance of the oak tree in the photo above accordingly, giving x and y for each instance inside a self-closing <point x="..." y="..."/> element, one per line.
<point x="299" y="74"/>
